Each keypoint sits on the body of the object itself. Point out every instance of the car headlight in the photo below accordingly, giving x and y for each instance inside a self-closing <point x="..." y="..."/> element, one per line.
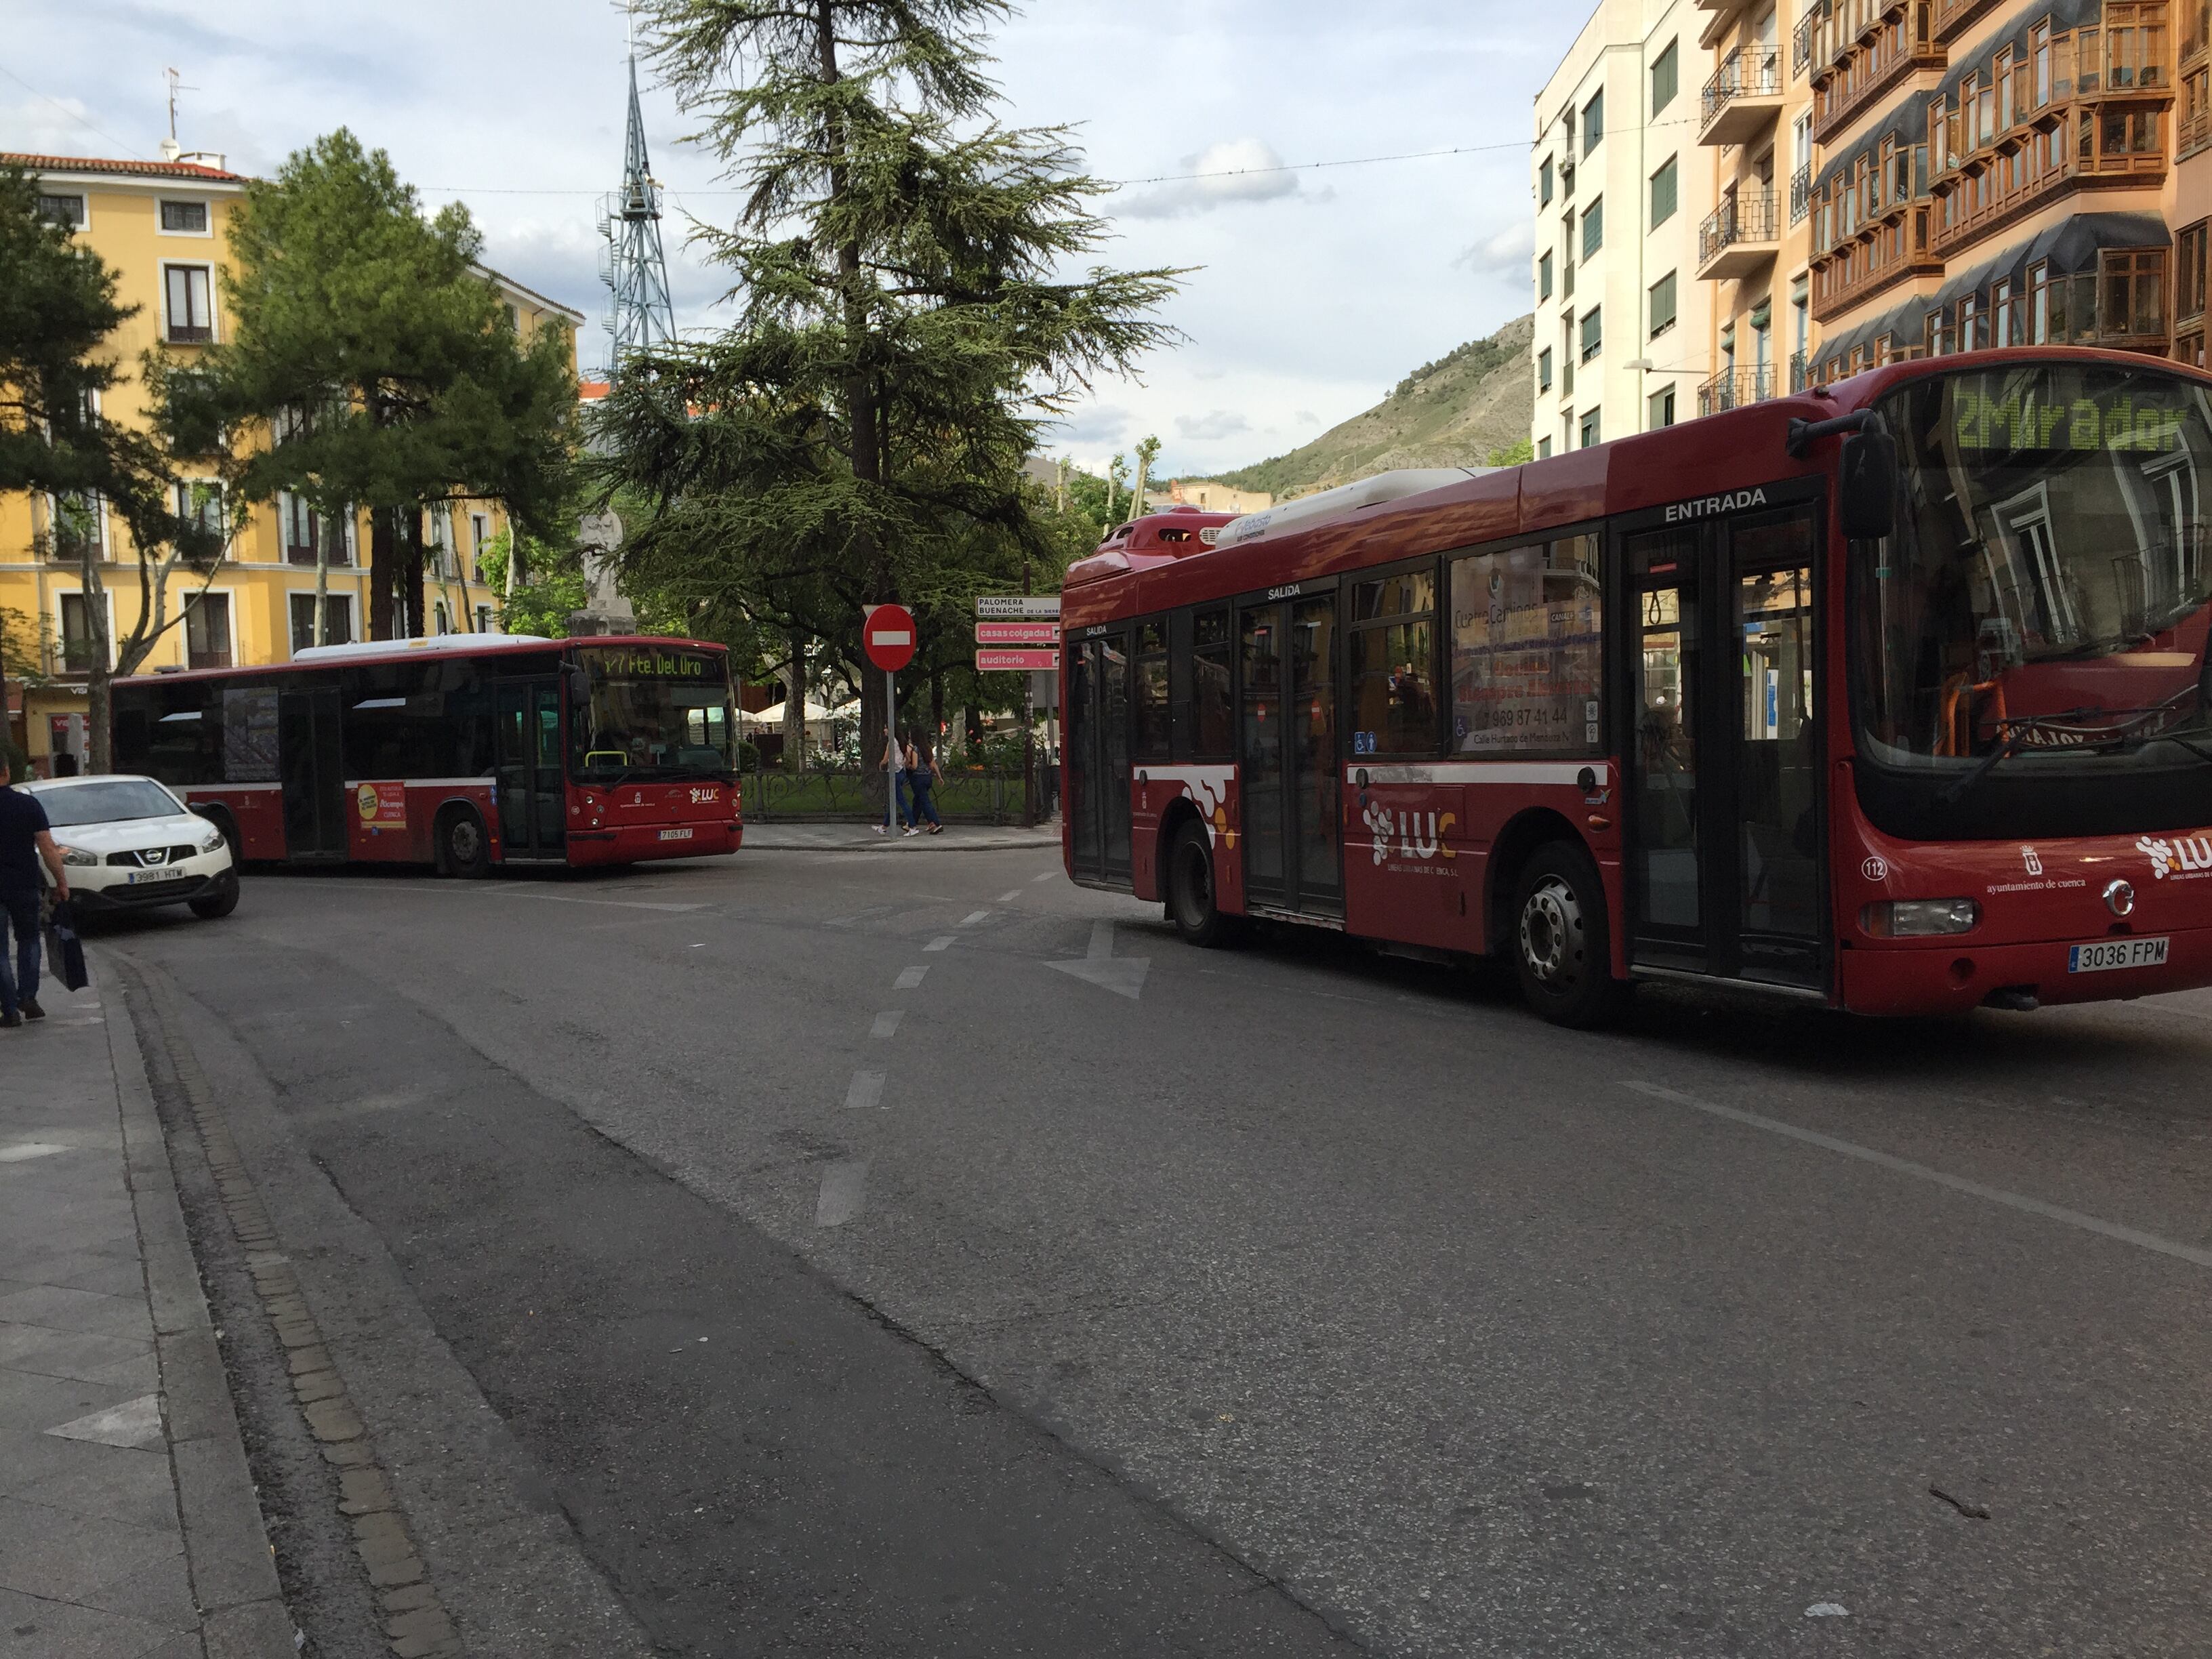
<point x="212" y="839"/>
<point x="78" y="855"/>
<point x="1920" y="918"/>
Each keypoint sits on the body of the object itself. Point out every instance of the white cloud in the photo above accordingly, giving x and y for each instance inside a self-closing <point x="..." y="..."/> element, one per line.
<point x="1505" y="252"/>
<point x="1205" y="428"/>
<point x="1234" y="170"/>
<point x="1096" y="423"/>
<point x="1307" y="418"/>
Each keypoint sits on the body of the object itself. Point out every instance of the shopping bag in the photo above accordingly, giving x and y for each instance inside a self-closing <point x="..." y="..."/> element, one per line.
<point x="65" y="950"/>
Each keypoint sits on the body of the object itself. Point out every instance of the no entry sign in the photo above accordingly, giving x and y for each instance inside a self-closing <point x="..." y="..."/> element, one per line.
<point x="888" y="636"/>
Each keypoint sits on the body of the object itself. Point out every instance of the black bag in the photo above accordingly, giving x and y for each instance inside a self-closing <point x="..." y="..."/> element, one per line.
<point x="65" y="950"/>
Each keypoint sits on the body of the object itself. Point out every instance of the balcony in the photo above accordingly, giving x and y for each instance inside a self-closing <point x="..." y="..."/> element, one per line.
<point x="1743" y="97"/>
<point x="1801" y="194"/>
<point x="1732" y="388"/>
<point x="1978" y="201"/>
<point x="1866" y="48"/>
<point x="1955" y="17"/>
<point x="1897" y="250"/>
<point x="1738" y="237"/>
<point x="1801" y="372"/>
<point x="1803" y="38"/>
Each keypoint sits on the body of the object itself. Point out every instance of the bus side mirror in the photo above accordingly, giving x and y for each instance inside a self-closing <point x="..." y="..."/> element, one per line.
<point x="580" y="687"/>
<point x="1867" y="491"/>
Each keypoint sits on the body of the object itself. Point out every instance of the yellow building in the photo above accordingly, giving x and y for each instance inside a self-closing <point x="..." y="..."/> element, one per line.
<point x="161" y="227"/>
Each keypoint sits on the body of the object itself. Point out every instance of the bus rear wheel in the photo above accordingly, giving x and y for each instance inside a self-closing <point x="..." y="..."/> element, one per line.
<point x="1562" y="948"/>
<point x="1193" y="899"/>
<point x="462" y="847"/>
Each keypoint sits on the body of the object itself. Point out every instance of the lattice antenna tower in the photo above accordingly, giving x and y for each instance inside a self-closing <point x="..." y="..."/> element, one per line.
<point x="639" y="316"/>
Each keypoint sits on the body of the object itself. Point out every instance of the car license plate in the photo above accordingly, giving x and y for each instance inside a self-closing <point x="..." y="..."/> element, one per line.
<point x="2107" y="954"/>
<point x="676" y="835"/>
<point x="136" y="876"/>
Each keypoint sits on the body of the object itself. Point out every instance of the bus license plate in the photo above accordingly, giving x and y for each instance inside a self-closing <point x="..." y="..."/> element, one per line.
<point x="2107" y="954"/>
<point x="138" y="875"/>
<point x="676" y="835"/>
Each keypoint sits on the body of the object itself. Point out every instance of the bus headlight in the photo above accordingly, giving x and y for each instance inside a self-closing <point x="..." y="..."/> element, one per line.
<point x="1920" y="918"/>
<point x="78" y="855"/>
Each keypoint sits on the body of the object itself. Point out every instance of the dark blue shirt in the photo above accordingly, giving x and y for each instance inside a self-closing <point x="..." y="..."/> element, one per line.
<point x="22" y="818"/>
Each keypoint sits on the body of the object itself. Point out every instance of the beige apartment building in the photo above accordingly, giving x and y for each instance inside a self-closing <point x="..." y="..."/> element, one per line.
<point x="1621" y="187"/>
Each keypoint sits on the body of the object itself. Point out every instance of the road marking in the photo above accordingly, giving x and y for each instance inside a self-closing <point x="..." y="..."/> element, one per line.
<point x="844" y="1193"/>
<point x="1123" y="976"/>
<point x="2089" y="1223"/>
<point x="908" y="978"/>
<point x="1102" y="941"/>
<point x="976" y="918"/>
<point x="866" y="1090"/>
<point x="611" y="904"/>
<point x="942" y="942"/>
<point x="1049" y="875"/>
<point x="23" y="1151"/>
<point x="1008" y="898"/>
<point x="887" y="1023"/>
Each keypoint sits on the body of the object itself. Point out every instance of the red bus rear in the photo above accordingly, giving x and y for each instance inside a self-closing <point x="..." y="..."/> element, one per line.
<point x="463" y="750"/>
<point x="1646" y="710"/>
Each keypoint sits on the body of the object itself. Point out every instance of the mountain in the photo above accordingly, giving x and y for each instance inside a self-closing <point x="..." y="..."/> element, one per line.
<point x="1452" y="412"/>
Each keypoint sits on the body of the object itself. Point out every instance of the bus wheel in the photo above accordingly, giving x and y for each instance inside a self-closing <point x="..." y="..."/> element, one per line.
<point x="1191" y="904"/>
<point x="1561" y="946"/>
<point x="462" y="845"/>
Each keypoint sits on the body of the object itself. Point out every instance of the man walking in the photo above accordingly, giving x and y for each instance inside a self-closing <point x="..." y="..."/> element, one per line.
<point x="25" y="839"/>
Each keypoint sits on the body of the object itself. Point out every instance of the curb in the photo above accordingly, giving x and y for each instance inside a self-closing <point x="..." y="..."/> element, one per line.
<point x="227" y="1557"/>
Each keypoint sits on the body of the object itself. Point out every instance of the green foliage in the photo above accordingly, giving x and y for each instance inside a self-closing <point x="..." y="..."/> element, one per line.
<point x="26" y="647"/>
<point x="553" y="586"/>
<point x="858" y="434"/>
<point x="1513" y="454"/>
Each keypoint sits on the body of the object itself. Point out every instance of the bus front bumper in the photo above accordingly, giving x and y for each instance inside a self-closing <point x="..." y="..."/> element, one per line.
<point x="1958" y="974"/>
<point x="635" y="842"/>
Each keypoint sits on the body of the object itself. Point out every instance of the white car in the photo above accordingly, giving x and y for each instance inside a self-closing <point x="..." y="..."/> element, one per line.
<point x="129" y="844"/>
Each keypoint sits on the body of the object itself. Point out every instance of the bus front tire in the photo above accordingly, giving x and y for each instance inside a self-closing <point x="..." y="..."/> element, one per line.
<point x="462" y="847"/>
<point x="1192" y="896"/>
<point x="1562" y="947"/>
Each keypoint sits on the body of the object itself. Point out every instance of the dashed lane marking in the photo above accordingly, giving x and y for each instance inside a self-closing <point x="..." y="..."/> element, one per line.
<point x="908" y="978"/>
<point x="887" y="1023"/>
<point x="2035" y="1207"/>
<point x="1049" y="875"/>
<point x="976" y="918"/>
<point x="844" y="1193"/>
<point x="942" y="942"/>
<point x="865" y="1092"/>
<point x="1008" y="898"/>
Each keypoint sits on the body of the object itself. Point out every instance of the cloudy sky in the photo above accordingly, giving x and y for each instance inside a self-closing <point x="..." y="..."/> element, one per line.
<point x="1318" y="288"/>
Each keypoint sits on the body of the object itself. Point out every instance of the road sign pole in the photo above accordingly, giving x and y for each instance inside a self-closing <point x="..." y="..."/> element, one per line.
<point x="1028" y="739"/>
<point x="890" y="747"/>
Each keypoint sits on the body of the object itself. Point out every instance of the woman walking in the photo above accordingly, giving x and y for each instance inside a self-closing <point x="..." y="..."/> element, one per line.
<point x="923" y="776"/>
<point x="895" y="804"/>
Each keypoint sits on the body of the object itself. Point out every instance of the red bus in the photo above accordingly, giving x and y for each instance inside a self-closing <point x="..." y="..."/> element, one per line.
<point x="464" y="751"/>
<point x="1893" y="694"/>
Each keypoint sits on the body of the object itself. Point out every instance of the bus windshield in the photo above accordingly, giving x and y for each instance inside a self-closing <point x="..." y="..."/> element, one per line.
<point x="651" y="712"/>
<point x="2044" y="604"/>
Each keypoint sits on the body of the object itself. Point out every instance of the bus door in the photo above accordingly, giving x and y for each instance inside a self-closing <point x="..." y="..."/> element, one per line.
<point x="1724" y="761"/>
<point x="531" y="798"/>
<point x="1288" y="770"/>
<point x="313" y="770"/>
<point x="1097" y="804"/>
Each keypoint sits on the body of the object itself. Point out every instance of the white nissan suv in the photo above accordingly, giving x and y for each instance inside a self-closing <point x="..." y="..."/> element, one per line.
<point x="129" y="844"/>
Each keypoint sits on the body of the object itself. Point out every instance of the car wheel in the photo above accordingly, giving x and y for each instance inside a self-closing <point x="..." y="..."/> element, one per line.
<point x="1192" y="898"/>
<point x="219" y="901"/>
<point x="462" y="843"/>
<point x="1562" y="947"/>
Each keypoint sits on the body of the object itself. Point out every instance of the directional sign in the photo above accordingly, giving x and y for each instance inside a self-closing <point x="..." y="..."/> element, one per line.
<point x="888" y="635"/>
<point x="989" y="662"/>
<point x="1017" y="633"/>
<point x="1011" y="606"/>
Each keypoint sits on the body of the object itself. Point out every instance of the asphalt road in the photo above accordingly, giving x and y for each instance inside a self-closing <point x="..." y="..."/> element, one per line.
<point x="1071" y="1291"/>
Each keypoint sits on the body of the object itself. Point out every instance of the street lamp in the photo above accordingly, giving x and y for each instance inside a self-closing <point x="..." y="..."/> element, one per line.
<point x="1641" y="365"/>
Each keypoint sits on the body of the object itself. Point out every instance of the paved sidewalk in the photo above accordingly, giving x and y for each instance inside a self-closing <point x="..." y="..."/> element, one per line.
<point x="774" y="836"/>
<point x="128" y="1525"/>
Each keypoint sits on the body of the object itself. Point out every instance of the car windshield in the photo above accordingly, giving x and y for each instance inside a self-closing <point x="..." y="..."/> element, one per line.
<point x="651" y="712"/>
<point x="2046" y="595"/>
<point x="108" y="800"/>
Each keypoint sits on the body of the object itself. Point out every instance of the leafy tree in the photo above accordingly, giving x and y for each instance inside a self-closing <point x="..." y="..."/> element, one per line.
<point x="556" y="588"/>
<point x="58" y="311"/>
<point x="1148" y="450"/>
<point x="382" y="358"/>
<point x="1513" y="454"/>
<point x="904" y="324"/>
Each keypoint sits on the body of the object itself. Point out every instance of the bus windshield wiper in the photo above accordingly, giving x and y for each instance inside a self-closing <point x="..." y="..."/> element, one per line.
<point x="2015" y="735"/>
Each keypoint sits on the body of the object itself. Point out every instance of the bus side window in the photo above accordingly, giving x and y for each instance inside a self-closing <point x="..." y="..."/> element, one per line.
<point x="1151" y="669"/>
<point x="1212" y="708"/>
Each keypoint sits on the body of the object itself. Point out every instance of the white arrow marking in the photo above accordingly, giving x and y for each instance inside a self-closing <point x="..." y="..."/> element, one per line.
<point x="1122" y="975"/>
<point x="844" y="1193"/>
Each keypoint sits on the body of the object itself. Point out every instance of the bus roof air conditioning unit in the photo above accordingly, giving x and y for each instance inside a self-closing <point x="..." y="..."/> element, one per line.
<point x="1345" y="499"/>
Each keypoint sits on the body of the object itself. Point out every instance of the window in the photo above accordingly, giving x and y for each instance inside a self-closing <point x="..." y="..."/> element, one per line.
<point x="1662" y="409"/>
<point x="1593" y="332"/>
<point x="77" y="643"/>
<point x="422" y="719"/>
<point x="1544" y="370"/>
<point x="1666" y="77"/>
<point x="1662" y="304"/>
<point x="1526" y="661"/>
<point x="185" y="218"/>
<point x="1663" y="192"/>
<point x="1544" y="183"/>
<point x="338" y="620"/>
<point x="207" y="631"/>
<point x="1594" y="120"/>
<point x="62" y="209"/>
<point x="1210" y="703"/>
<point x="80" y="526"/>
<point x="199" y="504"/>
<point x="1394" y="673"/>
<point x="1543" y="449"/>
<point x="1588" y="435"/>
<point x="191" y="308"/>
<point x="1150" y="665"/>
<point x="479" y="536"/>
<point x="483" y="619"/>
<point x="1593" y="227"/>
<point x="303" y="528"/>
<point x="1544" y="276"/>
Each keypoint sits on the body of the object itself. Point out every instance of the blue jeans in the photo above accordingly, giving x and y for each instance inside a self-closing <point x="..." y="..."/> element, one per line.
<point x="21" y="909"/>
<point x="895" y="811"/>
<point x="923" y="806"/>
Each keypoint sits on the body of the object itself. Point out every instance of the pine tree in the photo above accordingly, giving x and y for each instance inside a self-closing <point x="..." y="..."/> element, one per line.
<point x="904" y="324"/>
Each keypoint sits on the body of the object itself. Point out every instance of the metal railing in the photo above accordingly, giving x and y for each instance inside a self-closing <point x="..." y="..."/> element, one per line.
<point x="1732" y="388"/>
<point x="1802" y="37"/>
<point x="1851" y="77"/>
<point x="1801" y="193"/>
<point x="1746" y="216"/>
<point x="1801" y="372"/>
<point x="1747" y="72"/>
<point x="963" y="794"/>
